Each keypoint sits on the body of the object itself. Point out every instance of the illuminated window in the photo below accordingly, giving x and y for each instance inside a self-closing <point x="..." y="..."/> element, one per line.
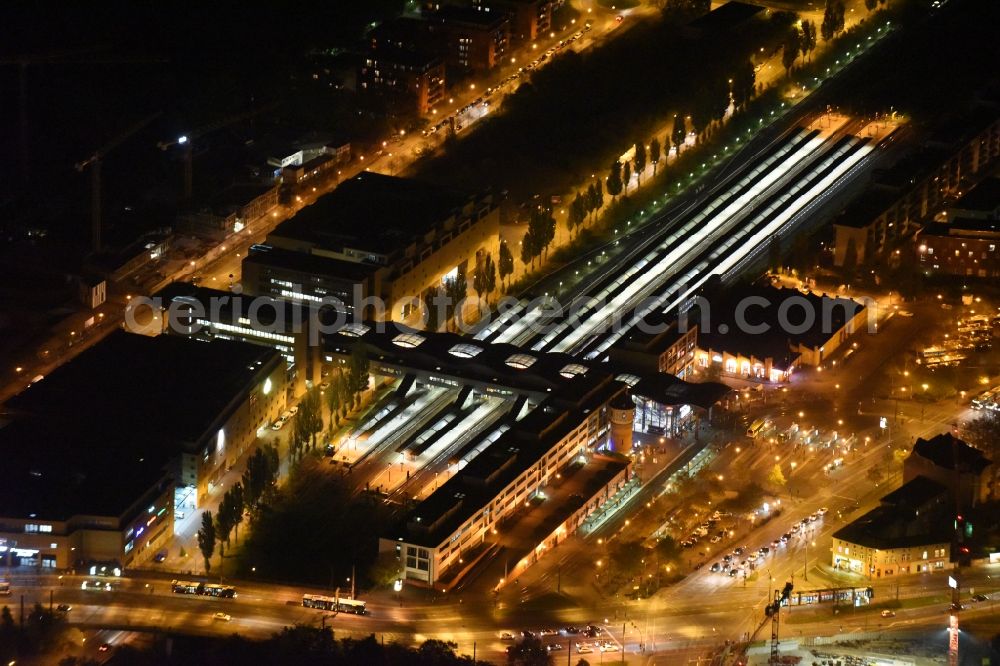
<point x="631" y="380"/>
<point x="465" y="350"/>
<point x="572" y="370"/>
<point x="354" y="330"/>
<point x="520" y="361"/>
<point x="408" y="340"/>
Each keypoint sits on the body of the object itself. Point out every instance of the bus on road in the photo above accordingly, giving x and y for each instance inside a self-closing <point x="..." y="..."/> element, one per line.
<point x="337" y="604"/>
<point x="203" y="589"/>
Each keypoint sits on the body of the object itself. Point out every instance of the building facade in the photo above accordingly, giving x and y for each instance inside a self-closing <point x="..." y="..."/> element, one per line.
<point x="406" y="79"/>
<point x="354" y="244"/>
<point x="472" y="40"/>
<point x="899" y="201"/>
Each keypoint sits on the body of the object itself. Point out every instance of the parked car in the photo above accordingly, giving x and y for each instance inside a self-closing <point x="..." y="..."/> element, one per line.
<point x="888" y="613"/>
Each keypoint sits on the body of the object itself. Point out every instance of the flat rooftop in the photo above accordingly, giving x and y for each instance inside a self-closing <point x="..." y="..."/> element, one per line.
<point x="727" y="16"/>
<point x="864" y="208"/>
<point x="984" y="197"/>
<point x="964" y="227"/>
<point x="304" y="262"/>
<point x="103" y="427"/>
<point x="373" y="212"/>
<point x="468" y="16"/>
<point x="407" y="57"/>
<point x="723" y="331"/>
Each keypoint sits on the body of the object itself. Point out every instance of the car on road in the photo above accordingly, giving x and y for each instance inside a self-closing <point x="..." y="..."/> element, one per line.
<point x="547" y="632"/>
<point x="888" y="613"/>
<point x="739" y="550"/>
<point x="583" y="648"/>
<point x="980" y="597"/>
<point x="571" y="630"/>
<point x="506" y="636"/>
<point x="64" y="608"/>
<point x="552" y="647"/>
<point x="278" y="425"/>
<point x="222" y="617"/>
<point x="104" y="647"/>
<point x="715" y="539"/>
<point x="608" y="646"/>
<point x="160" y="556"/>
<point x="822" y="511"/>
<point x="733" y="572"/>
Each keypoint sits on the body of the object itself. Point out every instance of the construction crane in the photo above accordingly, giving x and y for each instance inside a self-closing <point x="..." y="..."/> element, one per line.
<point x="186" y="141"/>
<point x="94" y="164"/>
<point x="88" y="56"/>
<point x="771" y="614"/>
<point x="773" y="611"/>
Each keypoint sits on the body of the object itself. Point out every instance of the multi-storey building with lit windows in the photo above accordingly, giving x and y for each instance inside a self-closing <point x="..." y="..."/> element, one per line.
<point x="375" y="236"/>
<point x="472" y="40"/>
<point x="911" y="531"/>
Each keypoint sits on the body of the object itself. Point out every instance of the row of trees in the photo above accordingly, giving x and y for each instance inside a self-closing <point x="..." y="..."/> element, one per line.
<point x="484" y="278"/>
<point x="39" y="632"/>
<point x="292" y="646"/>
<point x="586" y="203"/>
<point x="246" y="495"/>
<point x="709" y="107"/>
<point x="344" y="393"/>
<point x="540" y="234"/>
<point x="833" y="18"/>
<point x="799" y="41"/>
<point x="441" y="304"/>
